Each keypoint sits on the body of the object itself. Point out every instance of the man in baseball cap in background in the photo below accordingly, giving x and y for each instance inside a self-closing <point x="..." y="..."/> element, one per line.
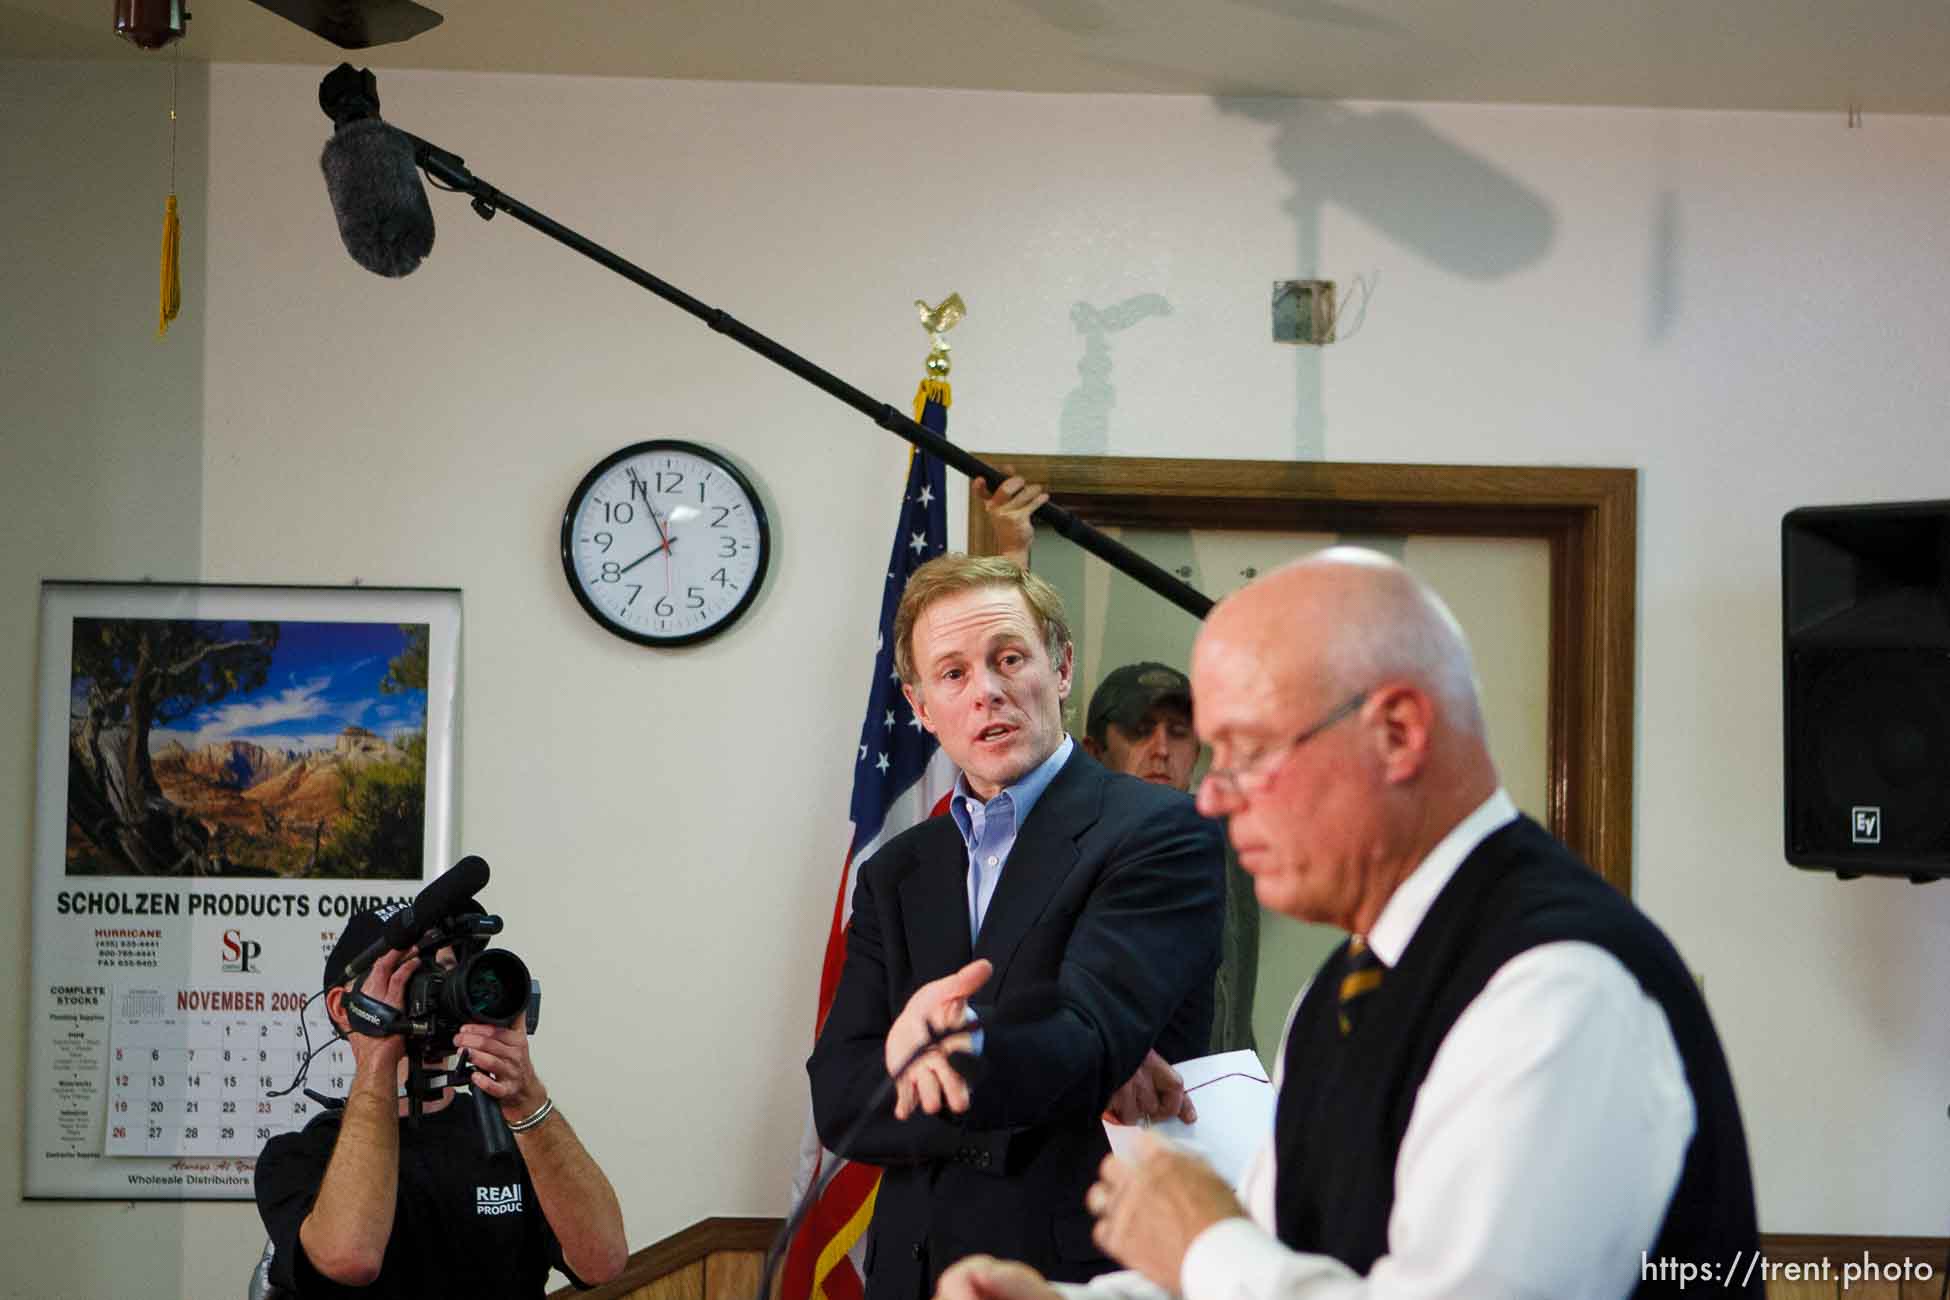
<point x="1140" y="721"/>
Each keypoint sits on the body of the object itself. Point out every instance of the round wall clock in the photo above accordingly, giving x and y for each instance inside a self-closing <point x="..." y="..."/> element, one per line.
<point x="665" y="543"/>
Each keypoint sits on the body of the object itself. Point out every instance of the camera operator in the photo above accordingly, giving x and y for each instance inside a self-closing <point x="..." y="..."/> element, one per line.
<point x="358" y="1200"/>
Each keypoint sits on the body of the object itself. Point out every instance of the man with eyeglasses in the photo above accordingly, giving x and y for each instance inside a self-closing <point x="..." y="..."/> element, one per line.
<point x="1505" y="1083"/>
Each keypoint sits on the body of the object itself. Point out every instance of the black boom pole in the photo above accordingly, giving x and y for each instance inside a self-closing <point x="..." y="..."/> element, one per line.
<point x="451" y="172"/>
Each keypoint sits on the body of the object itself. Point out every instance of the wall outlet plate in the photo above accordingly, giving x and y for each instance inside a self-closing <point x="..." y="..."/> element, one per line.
<point x="1303" y="311"/>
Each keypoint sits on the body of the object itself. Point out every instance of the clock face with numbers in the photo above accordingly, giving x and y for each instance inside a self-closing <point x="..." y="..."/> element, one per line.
<point x="665" y="543"/>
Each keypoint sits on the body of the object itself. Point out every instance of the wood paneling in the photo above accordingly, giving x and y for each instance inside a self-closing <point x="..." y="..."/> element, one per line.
<point x="733" y="1276"/>
<point x="680" y="1266"/>
<point x="1877" y="1291"/>
<point x="686" y="1283"/>
<point x="1802" y="1290"/>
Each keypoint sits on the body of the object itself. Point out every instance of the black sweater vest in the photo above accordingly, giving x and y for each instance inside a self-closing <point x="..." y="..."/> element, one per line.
<point x="1344" y="1103"/>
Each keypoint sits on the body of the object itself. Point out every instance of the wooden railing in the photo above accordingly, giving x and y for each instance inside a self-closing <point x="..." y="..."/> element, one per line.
<point x="719" y="1259"/>
<point x="713" y="1259"/>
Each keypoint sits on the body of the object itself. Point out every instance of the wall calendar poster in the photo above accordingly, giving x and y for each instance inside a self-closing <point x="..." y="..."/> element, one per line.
<point x="225" y="773"/>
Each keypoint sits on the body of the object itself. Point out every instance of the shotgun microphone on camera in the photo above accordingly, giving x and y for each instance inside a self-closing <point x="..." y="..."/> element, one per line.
<point x="442" y="896"/>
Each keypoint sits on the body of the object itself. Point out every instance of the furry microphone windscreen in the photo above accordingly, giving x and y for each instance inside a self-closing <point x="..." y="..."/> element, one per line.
<point x="377" y="196"/>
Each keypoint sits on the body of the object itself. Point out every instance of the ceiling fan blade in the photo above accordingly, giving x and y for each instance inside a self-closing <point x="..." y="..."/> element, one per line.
<point x="357" y="24"/>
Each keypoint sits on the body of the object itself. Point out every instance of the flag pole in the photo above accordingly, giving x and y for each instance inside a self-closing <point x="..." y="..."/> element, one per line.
<point x="450" y="171"/>
<point x="901" y="777"/>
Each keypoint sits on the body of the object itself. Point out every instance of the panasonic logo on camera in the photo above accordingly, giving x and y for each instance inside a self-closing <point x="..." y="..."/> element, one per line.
<point x="498" y="1200"/>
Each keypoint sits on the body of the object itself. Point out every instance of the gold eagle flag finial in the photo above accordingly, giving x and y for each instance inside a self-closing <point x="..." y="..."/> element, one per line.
<point x="937" y="321"/>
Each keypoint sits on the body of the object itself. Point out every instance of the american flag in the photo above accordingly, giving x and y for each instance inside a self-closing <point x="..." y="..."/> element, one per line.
<point x="900" y="777"/>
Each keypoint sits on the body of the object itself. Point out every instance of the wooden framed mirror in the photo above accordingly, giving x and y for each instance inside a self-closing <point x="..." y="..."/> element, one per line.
<point x="1539" y="564"/>
<point x="1585" y="520"/>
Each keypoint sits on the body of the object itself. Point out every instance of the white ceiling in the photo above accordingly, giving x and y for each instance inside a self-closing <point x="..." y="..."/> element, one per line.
<point x="1883" y="56"/>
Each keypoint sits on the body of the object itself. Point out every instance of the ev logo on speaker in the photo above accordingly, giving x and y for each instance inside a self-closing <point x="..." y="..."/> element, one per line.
<point x="1867" y="827"/>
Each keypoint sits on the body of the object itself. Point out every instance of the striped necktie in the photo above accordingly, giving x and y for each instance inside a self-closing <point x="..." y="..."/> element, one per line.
<point x="1362" y="977"/>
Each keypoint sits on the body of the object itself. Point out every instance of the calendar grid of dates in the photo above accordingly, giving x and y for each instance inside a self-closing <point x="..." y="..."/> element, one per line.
<point x="200" y="1085"/>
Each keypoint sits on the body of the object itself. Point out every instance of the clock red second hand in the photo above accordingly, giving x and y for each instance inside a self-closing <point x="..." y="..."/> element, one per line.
<point x="663" y="544"/>
<point x="665" y="534"/>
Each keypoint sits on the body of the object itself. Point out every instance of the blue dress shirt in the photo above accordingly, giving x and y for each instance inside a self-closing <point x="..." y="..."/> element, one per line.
<point x="989" y="829"/>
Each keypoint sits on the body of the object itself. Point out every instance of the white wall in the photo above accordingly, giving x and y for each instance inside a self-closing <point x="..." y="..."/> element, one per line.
<point x="101" y="473"/>
<point x="1750" y="309"/>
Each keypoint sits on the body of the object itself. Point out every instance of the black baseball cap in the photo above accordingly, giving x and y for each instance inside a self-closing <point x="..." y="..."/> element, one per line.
<point x="361" y="929"/>
<point x="1130" y="692"/>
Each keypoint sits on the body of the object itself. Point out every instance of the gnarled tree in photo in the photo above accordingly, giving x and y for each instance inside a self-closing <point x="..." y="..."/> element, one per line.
<point x="381" y="834"/>
<point x="130" y="677"/>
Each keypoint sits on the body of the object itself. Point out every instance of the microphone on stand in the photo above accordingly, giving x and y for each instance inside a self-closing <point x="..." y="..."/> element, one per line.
<point x="1031" y="1004"/>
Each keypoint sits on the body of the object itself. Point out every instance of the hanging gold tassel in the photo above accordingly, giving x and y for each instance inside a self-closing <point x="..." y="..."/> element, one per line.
<point x="172" y="243"/>
<point x="172" y="278"/>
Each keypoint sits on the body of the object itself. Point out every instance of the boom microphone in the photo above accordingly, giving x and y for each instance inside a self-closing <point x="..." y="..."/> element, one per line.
<point x="433" y="904"/>
<point x="387" y="227"/>
<point x="372" y="178"/>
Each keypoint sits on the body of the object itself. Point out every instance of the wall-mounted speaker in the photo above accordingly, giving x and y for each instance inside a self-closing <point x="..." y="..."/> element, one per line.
<point x="1865" y="633"/>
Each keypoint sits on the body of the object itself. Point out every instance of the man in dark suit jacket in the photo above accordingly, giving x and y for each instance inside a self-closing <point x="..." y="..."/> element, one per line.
<point x="1098" y="895"/>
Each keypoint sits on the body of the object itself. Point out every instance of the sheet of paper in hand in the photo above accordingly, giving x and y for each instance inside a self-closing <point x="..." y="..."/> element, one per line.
<point x="1234" y="1099"/>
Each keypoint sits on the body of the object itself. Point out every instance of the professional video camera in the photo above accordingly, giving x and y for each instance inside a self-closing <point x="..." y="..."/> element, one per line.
<point x="489" y="986"/>
<point x="485" y="986"/>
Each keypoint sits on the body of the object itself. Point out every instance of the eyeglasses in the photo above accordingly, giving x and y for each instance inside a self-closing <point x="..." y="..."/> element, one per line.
<point x="1232" y="784"/>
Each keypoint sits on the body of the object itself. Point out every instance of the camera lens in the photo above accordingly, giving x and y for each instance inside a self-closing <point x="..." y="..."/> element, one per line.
<point x="490" y="988"/>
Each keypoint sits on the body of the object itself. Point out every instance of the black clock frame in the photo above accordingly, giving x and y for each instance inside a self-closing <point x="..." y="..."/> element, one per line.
<point x="717" y="458"/>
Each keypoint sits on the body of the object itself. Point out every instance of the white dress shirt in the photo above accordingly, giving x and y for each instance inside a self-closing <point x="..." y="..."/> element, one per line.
<point x="1542" y="1150"/>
